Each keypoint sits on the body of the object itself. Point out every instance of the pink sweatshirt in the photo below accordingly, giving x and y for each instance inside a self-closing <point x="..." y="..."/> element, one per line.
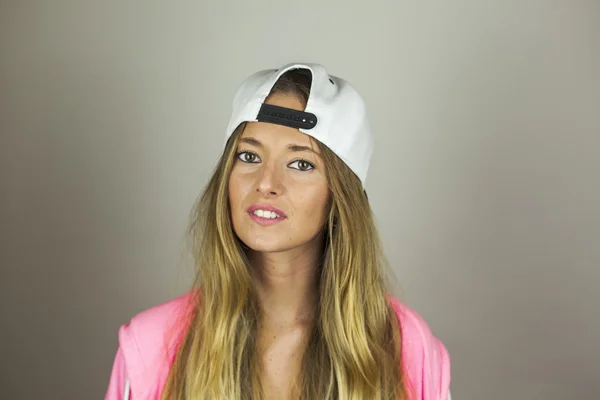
<point x="148" y="343"/>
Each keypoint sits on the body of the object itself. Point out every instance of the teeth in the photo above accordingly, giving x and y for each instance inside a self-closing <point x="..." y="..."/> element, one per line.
<point x="266" y="214"/>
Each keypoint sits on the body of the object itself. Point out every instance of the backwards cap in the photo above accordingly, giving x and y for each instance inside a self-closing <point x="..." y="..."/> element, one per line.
<point x="335" y="113"/>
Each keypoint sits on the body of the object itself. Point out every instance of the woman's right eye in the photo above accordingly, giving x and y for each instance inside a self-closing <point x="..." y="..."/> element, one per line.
<point x="248" y="157"/>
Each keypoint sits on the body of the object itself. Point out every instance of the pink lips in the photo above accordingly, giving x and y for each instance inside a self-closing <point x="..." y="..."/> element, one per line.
<point x="266" y="221"/>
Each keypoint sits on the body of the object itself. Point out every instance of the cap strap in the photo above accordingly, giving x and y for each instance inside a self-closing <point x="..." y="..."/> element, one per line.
<point x="286" y="116"/>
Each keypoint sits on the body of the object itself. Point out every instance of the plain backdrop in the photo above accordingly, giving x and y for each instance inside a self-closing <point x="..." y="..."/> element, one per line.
<point x="485" y="179"/>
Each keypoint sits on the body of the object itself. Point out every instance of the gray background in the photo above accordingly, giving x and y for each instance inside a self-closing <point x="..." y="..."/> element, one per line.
<point x="485" y="178"/>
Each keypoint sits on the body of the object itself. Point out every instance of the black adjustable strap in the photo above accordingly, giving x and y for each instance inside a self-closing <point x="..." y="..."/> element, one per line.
<point x="286" y="116"/>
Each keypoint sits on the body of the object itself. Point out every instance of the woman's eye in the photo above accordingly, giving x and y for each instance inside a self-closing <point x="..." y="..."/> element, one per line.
<point x="248" y="157"/>
<point x="302" y="165"/>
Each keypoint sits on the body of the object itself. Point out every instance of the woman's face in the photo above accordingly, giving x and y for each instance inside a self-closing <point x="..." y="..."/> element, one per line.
<point x="278" y="192"/>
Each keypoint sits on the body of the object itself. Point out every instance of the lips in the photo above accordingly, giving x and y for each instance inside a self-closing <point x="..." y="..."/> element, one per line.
<point x="266" y="207"/>
<point x="266" y="214"/>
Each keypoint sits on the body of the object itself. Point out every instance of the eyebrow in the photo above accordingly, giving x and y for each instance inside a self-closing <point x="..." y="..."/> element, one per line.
<point x="292" y="147"/>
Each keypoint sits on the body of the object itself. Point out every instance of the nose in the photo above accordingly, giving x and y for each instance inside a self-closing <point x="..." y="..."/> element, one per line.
<point x="270" y="181"/>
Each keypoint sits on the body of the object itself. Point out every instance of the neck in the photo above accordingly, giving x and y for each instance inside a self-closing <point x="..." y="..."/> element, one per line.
<point x="287" y="283"/>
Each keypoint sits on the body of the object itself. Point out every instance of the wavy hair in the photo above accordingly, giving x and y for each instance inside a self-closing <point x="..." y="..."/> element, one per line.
<point x="353" y="351"/>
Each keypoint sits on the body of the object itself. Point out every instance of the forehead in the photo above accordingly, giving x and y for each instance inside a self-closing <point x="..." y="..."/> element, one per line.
<point x="273" y="135"/>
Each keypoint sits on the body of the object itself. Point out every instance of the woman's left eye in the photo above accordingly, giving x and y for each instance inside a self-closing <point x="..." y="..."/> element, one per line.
<point x="301" y="165"/>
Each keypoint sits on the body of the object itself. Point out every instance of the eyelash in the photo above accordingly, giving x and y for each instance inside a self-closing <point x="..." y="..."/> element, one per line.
<point x="239" y="153"/>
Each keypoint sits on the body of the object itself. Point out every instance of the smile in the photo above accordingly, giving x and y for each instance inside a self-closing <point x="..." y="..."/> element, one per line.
<point x="266" y="214"/>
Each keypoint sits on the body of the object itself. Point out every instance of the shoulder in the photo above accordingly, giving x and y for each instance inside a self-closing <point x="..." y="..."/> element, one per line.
<point x="156" y="327"/>
<point x="426" y="361"/>
<point x="158" y="321"/>
<point x="149" y="341"/>
<point x="413" y="326"/>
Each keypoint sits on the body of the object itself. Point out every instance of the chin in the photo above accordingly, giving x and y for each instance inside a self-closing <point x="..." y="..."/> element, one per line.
<point x="266" y="245"/>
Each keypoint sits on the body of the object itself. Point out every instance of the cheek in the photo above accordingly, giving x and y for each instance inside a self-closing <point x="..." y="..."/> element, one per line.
<point x="235" y="197"/>
<point x="238" y="191"/>
<point x="314" y="205"/>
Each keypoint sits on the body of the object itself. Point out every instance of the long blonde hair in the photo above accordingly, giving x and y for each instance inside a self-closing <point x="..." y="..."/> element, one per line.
<point x="354" y="348"/>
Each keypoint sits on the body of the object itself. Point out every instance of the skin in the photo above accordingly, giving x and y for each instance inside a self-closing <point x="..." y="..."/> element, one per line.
<point x="276" y="166"/>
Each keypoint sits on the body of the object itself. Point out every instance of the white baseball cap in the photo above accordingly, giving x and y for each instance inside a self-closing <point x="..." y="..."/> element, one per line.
<point x="335" y="113"/>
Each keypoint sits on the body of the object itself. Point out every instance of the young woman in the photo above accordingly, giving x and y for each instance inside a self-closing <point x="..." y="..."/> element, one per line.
<point x="290" y="300"/>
